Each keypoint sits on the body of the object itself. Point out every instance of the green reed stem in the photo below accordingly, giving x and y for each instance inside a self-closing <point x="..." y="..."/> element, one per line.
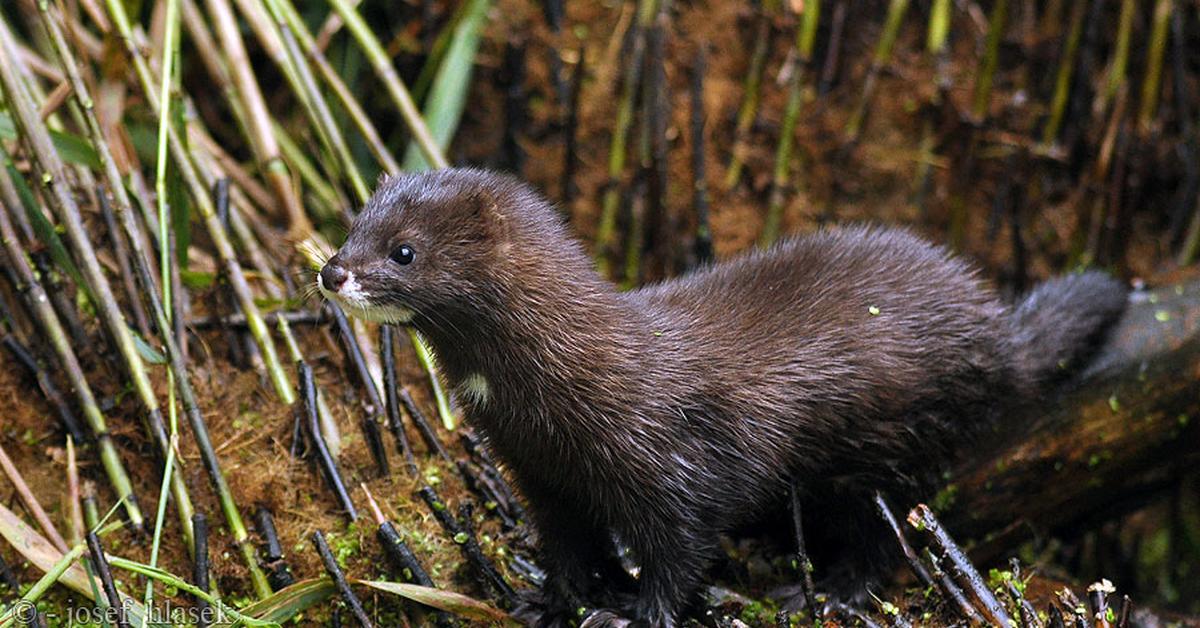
<point x="1154" y="63"/>
<point x="125" y="214"/>
<point x="997" y="24"/>
<point x="382" y="64"/>
<point x="53" y="176"/>
<point x="1066" y="69"/>
<point x="618" y="145"/>
<point x="883" y="55"/>
<point x="806" y="36"/>
<point x="751" y="93"/>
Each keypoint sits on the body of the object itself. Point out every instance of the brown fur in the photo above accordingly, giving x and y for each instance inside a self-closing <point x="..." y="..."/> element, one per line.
<point x="848" y="361"/>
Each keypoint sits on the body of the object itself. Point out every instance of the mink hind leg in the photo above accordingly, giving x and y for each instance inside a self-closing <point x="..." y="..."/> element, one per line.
<point x="852" y="549"/>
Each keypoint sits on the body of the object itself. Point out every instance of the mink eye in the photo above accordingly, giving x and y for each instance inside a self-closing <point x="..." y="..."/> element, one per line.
<point x="403" y="255"/>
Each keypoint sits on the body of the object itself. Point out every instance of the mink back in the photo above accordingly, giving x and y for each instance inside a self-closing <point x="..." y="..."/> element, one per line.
<point x="850" y="355"/>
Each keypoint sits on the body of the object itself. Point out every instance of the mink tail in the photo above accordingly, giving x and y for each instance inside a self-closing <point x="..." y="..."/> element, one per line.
<point x="1061" y="322"/>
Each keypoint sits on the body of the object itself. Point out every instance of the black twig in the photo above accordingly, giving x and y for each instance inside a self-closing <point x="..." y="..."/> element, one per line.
<point x="423" y="426"/>
<point x="1079" y="115"/>
<point x="278" y="574"/>
<point x="1029" y="617"/>
<point x="9" y="579"/>
<point x="898" y="620"/>
<point x="1019" y="254"/>
<point x="658" y="228"/>
<point x="829" y="68"/>
<point x="45" y="384"/>
<point x="298" y="431"/>
<point x="121" y="250"/>
<point x="393" y="403"/>
<point x="58" y="292"/>
<point x="339" y="579"/>
<point x="951" y="589"/>
<point x="1189" y="143"/>
<point x="398" y="552"/>
<point x="243" y="350"/>
<point x="803" y="563"/>
<point x="512" y="156"/>
<point x="405" y="564"/>
<point x="272" y="548"/>
<point x="571" y="133"/>
<point x="474" y="447"/>
<point x="1056" y="617"/>
<point x="555" y="14"/>
<point x="238" y="320"/>
<point x="463" y="534"/>
<point x="475" y="555"/>
<point x="1075" y="608"/>
<point x="493" y="502"/>
<point x="703" y="247"/>
<point x="402" y="557"/>
<point x="1098" y="603"/>
<point x="910" y="555"/>
<point x="308" y="401"/>
<point x="922" y="518"/>
<point x="1126" y="610"/>
<point x="527" y="570"/>
<point x="491" y="475"/>
<point x="200" y="566"/>
<point x="104" y="572"/>
<point x="370" y="425"/>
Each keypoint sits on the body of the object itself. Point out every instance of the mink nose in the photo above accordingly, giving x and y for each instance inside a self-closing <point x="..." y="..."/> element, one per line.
<point x="333" y="276"/>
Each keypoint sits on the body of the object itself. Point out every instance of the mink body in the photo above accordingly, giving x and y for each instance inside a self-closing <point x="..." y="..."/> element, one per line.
<point x="846" y="361"/>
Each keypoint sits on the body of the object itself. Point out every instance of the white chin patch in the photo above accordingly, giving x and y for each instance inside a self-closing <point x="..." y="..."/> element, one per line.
<point x="381" y="313"/>
<point x="357" y="303"/>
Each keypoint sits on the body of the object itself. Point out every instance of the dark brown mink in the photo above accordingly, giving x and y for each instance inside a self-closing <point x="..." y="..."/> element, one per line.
<point x="845" y="361"/>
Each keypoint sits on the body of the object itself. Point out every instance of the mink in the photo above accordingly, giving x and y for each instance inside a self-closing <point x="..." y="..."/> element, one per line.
<point x="842" y="362"/>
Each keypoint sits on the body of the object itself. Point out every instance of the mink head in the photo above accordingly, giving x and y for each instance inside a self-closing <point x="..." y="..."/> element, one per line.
<point x="427" y="246"/>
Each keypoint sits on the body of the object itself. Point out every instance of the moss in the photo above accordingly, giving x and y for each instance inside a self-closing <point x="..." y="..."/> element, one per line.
<point x="345" y="545"/>
<point x="759" y="613"/>
<point x="945" y="498"/>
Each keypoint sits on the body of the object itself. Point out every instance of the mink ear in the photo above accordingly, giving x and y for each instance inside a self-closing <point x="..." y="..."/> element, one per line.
<point x="490" y="217"/>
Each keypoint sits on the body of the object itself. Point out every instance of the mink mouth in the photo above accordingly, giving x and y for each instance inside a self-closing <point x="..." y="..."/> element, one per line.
<point x="358" y="304"/>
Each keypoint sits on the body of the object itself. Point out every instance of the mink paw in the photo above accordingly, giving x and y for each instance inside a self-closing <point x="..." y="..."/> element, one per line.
<point x="606" y="618"/>
<point x="537" y="608"/>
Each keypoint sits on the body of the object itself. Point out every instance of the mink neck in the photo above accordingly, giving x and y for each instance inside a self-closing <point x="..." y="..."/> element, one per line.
<point x="551" y="321"/>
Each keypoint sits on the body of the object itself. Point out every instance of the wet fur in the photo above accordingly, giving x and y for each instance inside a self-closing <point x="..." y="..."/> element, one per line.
<point x="849" y="360"/>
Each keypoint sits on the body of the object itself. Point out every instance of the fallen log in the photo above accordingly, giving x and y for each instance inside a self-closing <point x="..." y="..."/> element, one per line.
<point x="1128" y="429"/>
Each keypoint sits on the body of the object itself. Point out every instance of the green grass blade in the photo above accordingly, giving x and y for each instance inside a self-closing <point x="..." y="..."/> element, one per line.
<point x="448" y="601"/>
<point x="74" y="149"/>
<point x="448" y="94"/>
<point x="43" y="228"/>
<point x="292" y="600"/>
<point x="62" y="568"/>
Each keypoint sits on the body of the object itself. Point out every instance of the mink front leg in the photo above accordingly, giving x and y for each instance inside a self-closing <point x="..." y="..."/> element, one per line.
<point x="579" y="559"/>
<point x="673" y="555"/>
